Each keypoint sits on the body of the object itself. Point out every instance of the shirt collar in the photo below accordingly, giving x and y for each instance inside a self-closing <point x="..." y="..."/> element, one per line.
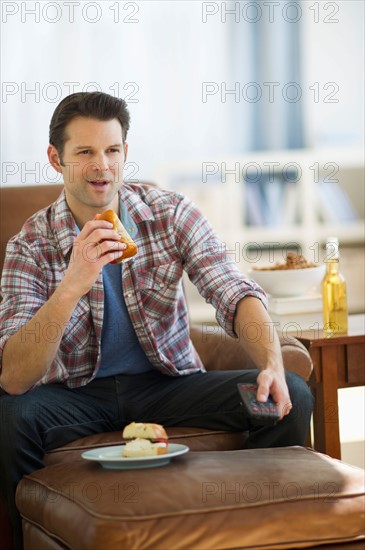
<point x="132" y="210"/>
<point x="133" y="203"/>
<point x="64" y="224"/>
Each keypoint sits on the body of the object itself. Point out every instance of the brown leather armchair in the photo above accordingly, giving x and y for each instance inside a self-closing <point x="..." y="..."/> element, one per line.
<point x="217" y="350"/>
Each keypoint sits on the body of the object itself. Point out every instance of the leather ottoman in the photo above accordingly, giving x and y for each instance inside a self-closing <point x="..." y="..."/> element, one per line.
<point x="264" y="498"/>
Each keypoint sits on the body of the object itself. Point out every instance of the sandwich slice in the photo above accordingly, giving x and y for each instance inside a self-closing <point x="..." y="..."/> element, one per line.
<point x="131" y="250"/>
<point x="145" y="440"/>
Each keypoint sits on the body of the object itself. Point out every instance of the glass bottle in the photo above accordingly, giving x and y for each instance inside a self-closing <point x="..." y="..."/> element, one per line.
<point x="334" y="293"/>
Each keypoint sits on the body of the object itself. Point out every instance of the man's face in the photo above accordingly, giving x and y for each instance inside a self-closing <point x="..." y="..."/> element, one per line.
<point x="92" y="164"/>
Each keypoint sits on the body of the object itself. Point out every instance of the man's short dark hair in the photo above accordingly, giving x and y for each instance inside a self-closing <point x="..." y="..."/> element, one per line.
<point x="90" y="105"/>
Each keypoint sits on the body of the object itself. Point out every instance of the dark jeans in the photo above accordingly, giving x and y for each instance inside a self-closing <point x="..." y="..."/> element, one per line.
<point x="51" y="416"/>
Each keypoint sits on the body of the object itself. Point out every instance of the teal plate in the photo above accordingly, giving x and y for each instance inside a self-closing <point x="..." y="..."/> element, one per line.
<point x="112" y="459"/>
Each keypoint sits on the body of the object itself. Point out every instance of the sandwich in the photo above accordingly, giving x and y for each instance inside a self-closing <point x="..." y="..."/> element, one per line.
<point x="131" y="250"/>
<point x="145" y="440"/>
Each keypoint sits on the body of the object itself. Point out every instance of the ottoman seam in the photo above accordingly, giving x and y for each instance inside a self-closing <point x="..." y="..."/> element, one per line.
<point x="202" y="510"/>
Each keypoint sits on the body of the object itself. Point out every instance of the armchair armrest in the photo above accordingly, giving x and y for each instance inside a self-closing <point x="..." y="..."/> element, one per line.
<point x="218" y="351"/>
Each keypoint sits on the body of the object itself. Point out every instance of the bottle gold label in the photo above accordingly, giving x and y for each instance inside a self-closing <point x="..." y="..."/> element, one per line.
<point x="334" y="297"/>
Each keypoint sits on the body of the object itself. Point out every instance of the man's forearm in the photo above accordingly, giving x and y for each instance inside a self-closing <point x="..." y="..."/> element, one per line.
<point x="259" y="339"/>
<point x="257" y="335"/>
<point x="24" y="363"/>
<point x="29" y="353"/>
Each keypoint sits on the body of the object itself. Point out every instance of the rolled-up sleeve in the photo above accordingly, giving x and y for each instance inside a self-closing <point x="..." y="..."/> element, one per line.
<point x="23" y="291"/>
<point x="209" y="267"/>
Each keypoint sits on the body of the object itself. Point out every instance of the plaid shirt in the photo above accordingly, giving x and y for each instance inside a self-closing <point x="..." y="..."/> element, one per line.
<point x="171" y="235"/>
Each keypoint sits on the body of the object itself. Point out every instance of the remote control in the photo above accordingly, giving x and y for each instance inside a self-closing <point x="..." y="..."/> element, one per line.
<point x="260" y="414"/>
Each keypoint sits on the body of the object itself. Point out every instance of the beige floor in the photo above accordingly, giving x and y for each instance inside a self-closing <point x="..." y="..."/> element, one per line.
<point x="352" y="400"/>
<point x="351" y="404"/>
<point x="353" y="452"/>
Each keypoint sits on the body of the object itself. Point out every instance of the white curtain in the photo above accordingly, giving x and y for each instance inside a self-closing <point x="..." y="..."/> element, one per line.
<point x="156" y="55"/>
<point x="189" y="71"/>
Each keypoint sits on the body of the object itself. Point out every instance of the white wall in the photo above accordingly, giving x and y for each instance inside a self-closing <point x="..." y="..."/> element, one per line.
<point x="158" y="54"/>
<point x="333" y="72"/>
<point x="155" y="55"/>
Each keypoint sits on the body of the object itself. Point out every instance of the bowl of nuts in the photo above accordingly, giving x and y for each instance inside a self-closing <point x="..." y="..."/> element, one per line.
<point x="295" y="277"/>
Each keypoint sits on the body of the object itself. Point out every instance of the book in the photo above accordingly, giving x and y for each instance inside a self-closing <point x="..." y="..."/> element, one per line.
<point x="297" y="322"/>
<point x="271" y="201"/>
<point x="290" y="204"/>
<point x="273" y="192"/>
<point x="297" y="313"/>
<point x="264" y="201"/>
<point x="254" y="204"/>
<point x="334" y="203"/>
<point x="295" y="304"/>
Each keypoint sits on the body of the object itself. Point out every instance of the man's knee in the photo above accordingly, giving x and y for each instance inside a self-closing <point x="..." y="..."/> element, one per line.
<point x="301" y="397"/>
<point x="15" y="412"/>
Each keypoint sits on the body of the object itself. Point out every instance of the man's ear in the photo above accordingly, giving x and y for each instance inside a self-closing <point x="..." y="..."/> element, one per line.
<point x="54" y="158"/>
<point x="125" y="151"/>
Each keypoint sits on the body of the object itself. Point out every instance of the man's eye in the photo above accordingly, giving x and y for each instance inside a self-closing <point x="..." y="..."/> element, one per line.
<point x="114" y="150"/>
<point x="86" y="152"/>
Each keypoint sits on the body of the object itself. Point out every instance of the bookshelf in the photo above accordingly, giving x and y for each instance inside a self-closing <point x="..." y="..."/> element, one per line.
<point x="222" y="189"/>
<point x="302" y="215"/>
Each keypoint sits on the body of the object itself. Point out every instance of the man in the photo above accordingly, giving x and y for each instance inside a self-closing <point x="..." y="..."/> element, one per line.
<point x="88" y="346"/>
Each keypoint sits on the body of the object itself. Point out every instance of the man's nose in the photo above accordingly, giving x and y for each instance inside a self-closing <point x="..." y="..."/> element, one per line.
<point x="101" y="163"/>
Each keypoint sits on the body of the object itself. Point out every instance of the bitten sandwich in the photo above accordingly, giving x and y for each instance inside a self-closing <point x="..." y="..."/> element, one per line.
<point x="145" y="440"/>
<point x="131" y="250"/>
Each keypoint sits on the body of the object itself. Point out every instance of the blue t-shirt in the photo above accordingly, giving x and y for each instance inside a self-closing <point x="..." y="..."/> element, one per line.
<point x="121" y="352"/>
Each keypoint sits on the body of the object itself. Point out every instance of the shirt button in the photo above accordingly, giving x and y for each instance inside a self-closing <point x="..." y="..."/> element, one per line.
<point x="161" y="285"/>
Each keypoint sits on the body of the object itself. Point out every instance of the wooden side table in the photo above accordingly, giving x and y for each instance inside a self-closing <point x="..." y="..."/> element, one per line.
<point x="338" y="362"/>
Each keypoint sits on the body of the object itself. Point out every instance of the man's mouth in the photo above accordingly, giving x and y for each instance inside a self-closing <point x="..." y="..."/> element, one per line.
<point x="99" y="183"/>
